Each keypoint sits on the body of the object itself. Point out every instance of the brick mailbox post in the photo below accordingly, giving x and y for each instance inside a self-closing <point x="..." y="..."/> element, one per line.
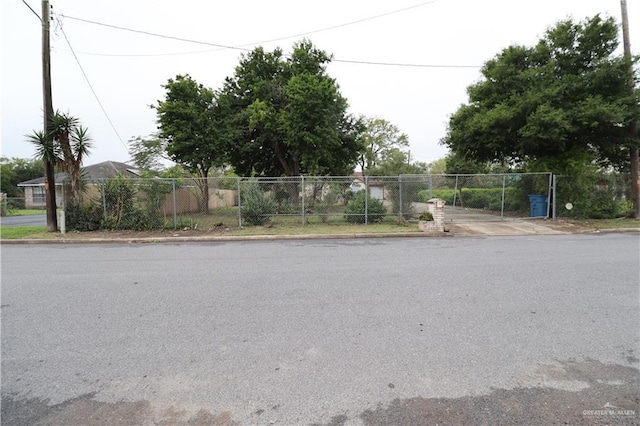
<point x="436" y="207"/>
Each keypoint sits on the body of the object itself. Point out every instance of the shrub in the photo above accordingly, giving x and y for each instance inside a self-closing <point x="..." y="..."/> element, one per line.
<point x="256" y="206"/>
<point x="428" y="216"/>
<point x="80" y="217"/>
<point x="121" y="211"/>
<point x="362" y="204"/>
<point x="324" y="206"/>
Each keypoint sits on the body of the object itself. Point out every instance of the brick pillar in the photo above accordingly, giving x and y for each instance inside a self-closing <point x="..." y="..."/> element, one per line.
<point x="436" y="207"/>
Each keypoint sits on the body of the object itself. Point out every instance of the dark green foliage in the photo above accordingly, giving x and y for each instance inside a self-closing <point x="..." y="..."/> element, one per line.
<point x="363" y="209"/>
<point x="65" y="144"/>
<point x="121" y="211"/>
<point x="285" y="116"/>
<point x="515" y="199"/>
<point x="426" y="216"/>
<point x="257" y="207"/>
<point x="593" y="196"/>
<point x="16" y="170"/>
<point x="154" y="192"/>
<point x="190" y="128"/>
<point x="79" y="217"/>
<point x="564" y="98"/>
<point x="382" y="143"/>
<point x="122" y="205"/>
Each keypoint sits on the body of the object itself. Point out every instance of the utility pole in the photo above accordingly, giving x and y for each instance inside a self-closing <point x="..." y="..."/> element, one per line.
<point x="49" y="176"/>
<point x="633" y="126"/>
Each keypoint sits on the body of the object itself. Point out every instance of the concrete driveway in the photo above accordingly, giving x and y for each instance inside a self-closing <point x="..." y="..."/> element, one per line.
<point x="469" y="222"/>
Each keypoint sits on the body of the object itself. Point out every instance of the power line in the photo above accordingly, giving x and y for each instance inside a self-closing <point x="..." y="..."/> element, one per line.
<point x="92" y="90"/>
<point x="395" y="64"/>
<point x="31" y="9"/>
<point x="345" y="24"/>
<point x="243" y="48"/>
<point x="149" y="33"/>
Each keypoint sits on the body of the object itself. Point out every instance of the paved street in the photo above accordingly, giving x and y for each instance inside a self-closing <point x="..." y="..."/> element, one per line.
<point x="499" y="330"/>
<point x="29" y="220"/>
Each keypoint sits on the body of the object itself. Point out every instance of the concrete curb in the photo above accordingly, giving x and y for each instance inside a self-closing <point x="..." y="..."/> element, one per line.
<point x="227" y="238"/>
<point x="617" y="230"/>
<point x="230" y="238"/>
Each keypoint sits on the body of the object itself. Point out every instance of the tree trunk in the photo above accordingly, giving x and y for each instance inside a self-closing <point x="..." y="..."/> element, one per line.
<point x="75" y="180"/>
<point x="203" y="185"/>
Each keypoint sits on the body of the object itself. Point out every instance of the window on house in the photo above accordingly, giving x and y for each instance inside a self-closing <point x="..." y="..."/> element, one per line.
<point x="38" y="195"/>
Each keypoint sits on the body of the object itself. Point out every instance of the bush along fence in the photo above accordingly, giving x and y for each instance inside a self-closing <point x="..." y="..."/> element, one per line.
<point x="146" y="204"/>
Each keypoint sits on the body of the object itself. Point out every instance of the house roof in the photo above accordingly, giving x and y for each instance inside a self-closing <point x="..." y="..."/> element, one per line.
<point x="104" y="170"/>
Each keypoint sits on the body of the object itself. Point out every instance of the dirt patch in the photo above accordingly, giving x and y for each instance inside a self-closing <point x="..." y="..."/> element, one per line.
<point x="609" y="394"/>
<point x="85" y="410"/>
<point x="585" y="393"/>
<point x="130" y="235"/>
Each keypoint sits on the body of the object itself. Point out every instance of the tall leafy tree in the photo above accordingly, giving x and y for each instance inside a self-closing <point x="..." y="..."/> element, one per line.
<point x="286" y="116"/>
<point x="148" y="152"/>
<point x="382" y="143"/>
<point x="562" y="99"/>
<point x="16" y="170"/>
<point x="187" y="121"/>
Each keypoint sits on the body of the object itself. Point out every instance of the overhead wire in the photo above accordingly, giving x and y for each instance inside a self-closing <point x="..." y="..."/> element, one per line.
<point x="243" y="47"/>
<point x="60" y="26"/>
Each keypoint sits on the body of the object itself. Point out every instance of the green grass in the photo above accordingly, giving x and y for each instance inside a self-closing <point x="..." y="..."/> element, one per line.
<point x="323" y="229"/>
<point x="25" y="212"/>
<point x="17" y="232"/>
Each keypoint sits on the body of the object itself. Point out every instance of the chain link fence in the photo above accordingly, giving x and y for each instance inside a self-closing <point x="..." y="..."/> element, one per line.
<point x="601" y="196"/>
<point x="131" y="203"/>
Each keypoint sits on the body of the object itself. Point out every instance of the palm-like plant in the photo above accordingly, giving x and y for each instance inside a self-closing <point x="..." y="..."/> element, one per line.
<point x="66" y="144"/>
<point x="46" y="149"/>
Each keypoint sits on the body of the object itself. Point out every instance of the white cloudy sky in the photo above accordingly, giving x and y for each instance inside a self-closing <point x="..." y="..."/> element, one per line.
<point x="126" y="69"/>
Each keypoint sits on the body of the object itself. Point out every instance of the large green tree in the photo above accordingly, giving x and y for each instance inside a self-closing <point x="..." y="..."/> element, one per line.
<point x="188" y="123"/>
<point x="546" y="105"/>
<point x="382" y="143"/>
<point x="16" y="170"/>
<point x="286" y="116"/>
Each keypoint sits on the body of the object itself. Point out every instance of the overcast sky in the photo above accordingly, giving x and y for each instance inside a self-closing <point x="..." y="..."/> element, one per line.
<point x="127" y="69"/>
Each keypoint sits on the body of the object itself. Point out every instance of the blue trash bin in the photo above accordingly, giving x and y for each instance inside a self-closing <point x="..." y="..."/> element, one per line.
<point x="538" y="205"/>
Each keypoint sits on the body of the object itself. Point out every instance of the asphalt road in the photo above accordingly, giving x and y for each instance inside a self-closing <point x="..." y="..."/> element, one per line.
<point x="501" y="330"/>
<point x="29" y="220"/>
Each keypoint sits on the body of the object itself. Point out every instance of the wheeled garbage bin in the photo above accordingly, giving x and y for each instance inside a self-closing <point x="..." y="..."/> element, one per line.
<point x="538" y="205"/>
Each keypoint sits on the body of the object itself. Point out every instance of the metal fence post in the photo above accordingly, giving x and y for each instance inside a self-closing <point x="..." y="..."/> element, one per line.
<point x="366" y="200"/>
<point x="400" y="195"/>
<point x="303" y="194"/>
<point x="430" y="186"/>
<point x="175" y="205"/>
<point x="104" y="200"/>
<point x="239" y="205"/>
<point x="553" y="199"/>
<point x="504" y="184"/>
<point x="549" y="194"/>
<point x="455" y="192"/>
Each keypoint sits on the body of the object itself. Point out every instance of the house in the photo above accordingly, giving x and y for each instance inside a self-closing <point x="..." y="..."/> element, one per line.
<point x="376" y="185"/>
<point x="34" y="193"/>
